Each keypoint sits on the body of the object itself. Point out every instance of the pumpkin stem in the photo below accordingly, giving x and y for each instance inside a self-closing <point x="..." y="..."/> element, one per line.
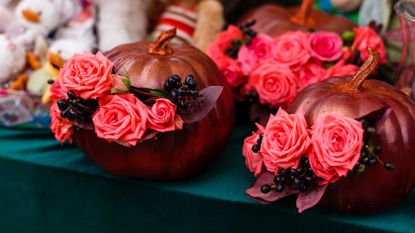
<point x="365" y="70"/>
<point x="302" y="16"/>
<point x="160" y="46"/>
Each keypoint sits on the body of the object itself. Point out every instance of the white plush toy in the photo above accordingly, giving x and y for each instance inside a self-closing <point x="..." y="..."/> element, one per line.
<point x="44" y="16"/>
<point x="121" y="21"/>
<point x="12" y="58"/>
<point x="79" y="32"/>
<point x="6" y="15"/>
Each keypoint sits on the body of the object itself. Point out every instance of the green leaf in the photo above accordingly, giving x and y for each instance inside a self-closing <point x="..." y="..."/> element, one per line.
<point x="126" y="82"/>
<point x="159" y="92"/>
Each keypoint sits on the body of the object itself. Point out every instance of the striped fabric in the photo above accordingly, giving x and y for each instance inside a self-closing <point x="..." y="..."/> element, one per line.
<point x="182" y="19"/>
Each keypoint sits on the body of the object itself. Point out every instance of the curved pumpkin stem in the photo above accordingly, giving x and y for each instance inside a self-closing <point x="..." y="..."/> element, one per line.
<point x="160" y="46"/>
<point x="302" y="16"/>
<point x="365" y="70"/>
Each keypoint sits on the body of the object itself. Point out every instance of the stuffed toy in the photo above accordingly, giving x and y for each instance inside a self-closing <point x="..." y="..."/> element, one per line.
<point x="44" y="16"/>
<point x="35" y="20"/>
<point x="122" y="21"/>
<point x="12" y="58"/>
<point x="6" y="15"/>
<point x="80" y="30"/>
<point x="197" y="21"/>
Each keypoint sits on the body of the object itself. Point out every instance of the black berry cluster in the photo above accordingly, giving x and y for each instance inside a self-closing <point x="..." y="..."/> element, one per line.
<point x="248" y="35"/>
<point x="76" y="108"/>
<point x="370" y="154"/>
<point x="302" y="179"/>
<point x="257" y="147"/>
<point x="184" y="94"/>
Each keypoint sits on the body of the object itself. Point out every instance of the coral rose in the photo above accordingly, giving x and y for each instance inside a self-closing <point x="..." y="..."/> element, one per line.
<point x="232" y="71"/>
<point x="56" y="92"/>
<point x="253" y="160"/>
<point x="259" y="51"/>
<point x="337" y="142"/>
<point x="325" y="46"/>
<point x="286" y="140"/>
<point x="162" y="116"/>
<point x="121" y="118"/>
<point x="291" y="49"/>
<point x="87" y="75"/>
<point x="340" y="69"/>
<point x="367" y="38"/>
<point x="310" y="73"/>
<point x="61" y="127"/>
<point x="223" y="41"/>
<point x="274" y="83"/>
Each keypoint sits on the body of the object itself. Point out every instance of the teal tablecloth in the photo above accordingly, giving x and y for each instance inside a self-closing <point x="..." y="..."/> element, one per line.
<point x="48" y="188"/>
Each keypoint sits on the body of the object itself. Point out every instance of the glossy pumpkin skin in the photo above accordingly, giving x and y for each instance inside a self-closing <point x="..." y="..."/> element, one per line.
<point x="171" y="155"/>
<point x="377" y="188"/>
<point x="274" y="20"/>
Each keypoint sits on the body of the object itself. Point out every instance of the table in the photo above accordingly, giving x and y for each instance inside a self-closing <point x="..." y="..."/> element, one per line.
<point x="45" y="187"/>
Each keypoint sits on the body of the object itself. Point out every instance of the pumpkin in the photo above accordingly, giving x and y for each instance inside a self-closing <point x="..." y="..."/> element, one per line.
<point x="170" y="155"/>
<point x="274" y="20"/>
<point x="377" y="188"/>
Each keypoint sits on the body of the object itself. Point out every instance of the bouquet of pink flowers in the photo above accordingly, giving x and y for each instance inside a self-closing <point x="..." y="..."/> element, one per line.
<point x="291" y="157"/>
<point x="274" y="70"/>
<point x="336" y="145"/>
<point x="89" y="95"/>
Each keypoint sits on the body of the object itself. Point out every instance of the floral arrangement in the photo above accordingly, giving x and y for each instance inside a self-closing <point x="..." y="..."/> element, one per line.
<point x="274" y="70"/>
<point x="89" y="95"/>
<point x="291" y="157"/>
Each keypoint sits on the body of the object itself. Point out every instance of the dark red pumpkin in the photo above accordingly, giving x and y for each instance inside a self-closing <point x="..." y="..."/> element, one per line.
<point x="274" y="20"/>
<point x="377" y="188"/>
<point x="171" y="155"/>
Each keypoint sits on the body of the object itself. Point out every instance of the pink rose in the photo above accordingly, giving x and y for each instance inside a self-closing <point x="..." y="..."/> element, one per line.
<point x="340" y="70"/>
<point x="216" y="53"/>
<point x="162" y="116"/>
<point x="274" y="83"/>
<point x="260" y="50"/>
<point x="253" y="160"/>
<point x="223" y="41"/>
<point x="285" y="141"/>
<point x="232" y="71"/>
<point x="291" y="49"/>
<point x="367" y="38"/>
<point x="56" y="92"/>
<point x="61" y="127"/>
<point x="87" y="75"/>
<point x="310" y="73"/>
<point x="121" y="118"/>
<point x="337" y="142"/>
<point x="325" y="46"/>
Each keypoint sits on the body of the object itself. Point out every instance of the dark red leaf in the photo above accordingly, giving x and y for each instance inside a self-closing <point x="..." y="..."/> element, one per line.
<point x="211" y="95"/>
<point x="266" y="198"/>
<point x="259" y="113"/>
<point x="309" y="199"/>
